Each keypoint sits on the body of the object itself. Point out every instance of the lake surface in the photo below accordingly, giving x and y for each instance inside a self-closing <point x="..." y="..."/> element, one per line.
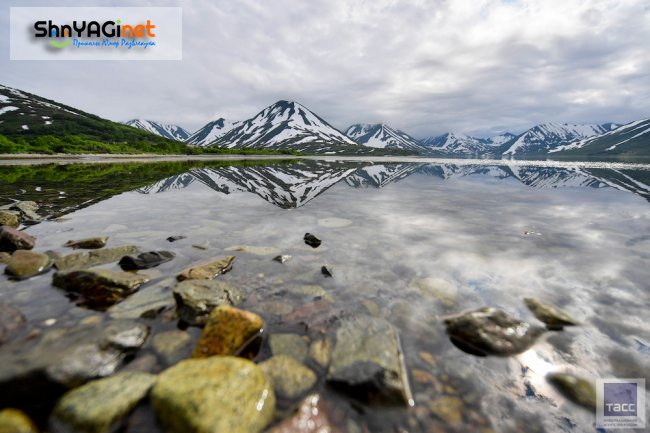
<point x="411" y="242"/>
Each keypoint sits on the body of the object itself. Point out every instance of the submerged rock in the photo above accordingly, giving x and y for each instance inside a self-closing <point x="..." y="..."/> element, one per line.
<point x="12" y="240"/>
<point x="172" y="345"/>
<point x="87" y="259"/>
<point x="488" y="331"/>
<point x="11" y="321"/>
<point x="448" y="408"/>
<point x="293" y="345"/>
<point x="175" y="238"/>
<point x="227" y="331"/>
<point x="311" y="240"/>
<point x="88" y="243"/>
<point x="24" y="264"/>
<point x="60" y="359"/>
<point x="195" y="299"/>
<point x="256" y="250"/>
<point x="312" y="417"/>
<point x="327" y="272"/>
<point x="207" y="270"/>
<point x="15" y="421"/>
<point x="320" y="351"/>
<point x="282" y="258"/>
<point x="576" y="389"/>
<point x="27" y="210"/>
<point x="147" y="303"/>
<point x="289" y="377"/>
<point x="367" y="362"/>
<point x="10" y="219"/>
<point x="4" y="257"/>
<point x="146" y="260"/>
<point x="98" y="288"/>
<point x="214" y="395"/>
<point x="101" y="405"/>
<point x="554" y="318"/>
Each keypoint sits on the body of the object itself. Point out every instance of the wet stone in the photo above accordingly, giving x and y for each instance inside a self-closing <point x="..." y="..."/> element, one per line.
<point x="289" y="377"/>
<point x="4" y="257"/>
<point x="87" y="259"/>
<point x="227" y="331"/>
<point x="312" y="417"/>
<point x="147" y="302"/>
<point x="207" y="270"/>
<point x="580" y="391"/>
<point x="25" y="264"/>
<point x="15" y="421"/>
<point x="282" y="258"/>
<point x="88" y="243"/>
<point x="172" y="346"/>
<point x="488" y="331"/>
<point x="27" y="210"/>
<point x="195" y="299"/>
<point x="293" y="345"/>
<point x="11" y="321"/>
<point x="175" y="238"/>
<point x="554" y="318"/>
<point x="311" y="240"/>
<point x="10" y="219"/>
<point x="448" y="409"/>
<point x="214" y="395"/>
<point x="146" y="260"/>
<point x="101" y="405"/>
<point x="98" y="288"/>
<point x="320" y="351"/>
<point x="12" y="240"/>
<point x="255" y="250"/>
<point x="367" y="362"/>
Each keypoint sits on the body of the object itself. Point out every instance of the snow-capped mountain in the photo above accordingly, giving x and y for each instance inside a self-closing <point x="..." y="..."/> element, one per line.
<point x="632" y="139"/>
<point x="212" y="131"/>
<point x="459" y="144"/>
<point x="500" y="139"/>
<point x="543" y="138"/>
<point x="382" y="136"/>
<point x="287" y="125"/>
<point x="167" y="130"/>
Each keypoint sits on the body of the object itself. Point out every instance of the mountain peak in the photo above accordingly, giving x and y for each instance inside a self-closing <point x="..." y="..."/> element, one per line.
<point x="380" y="135"/>
<point x="167" y="130"/>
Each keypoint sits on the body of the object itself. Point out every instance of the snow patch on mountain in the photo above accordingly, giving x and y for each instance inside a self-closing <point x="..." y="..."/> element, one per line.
<point x="212" y="131"/>
<point x="547" y="136"/>
<point x="166" y="130"/>
<point x="382" y="136"/>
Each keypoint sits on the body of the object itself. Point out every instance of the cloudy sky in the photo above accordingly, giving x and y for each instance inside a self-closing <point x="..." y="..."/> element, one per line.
<point x="423" y="66"/>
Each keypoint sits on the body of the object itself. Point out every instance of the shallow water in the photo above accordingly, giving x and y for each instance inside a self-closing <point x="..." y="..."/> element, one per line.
<point x="410" y="242"/>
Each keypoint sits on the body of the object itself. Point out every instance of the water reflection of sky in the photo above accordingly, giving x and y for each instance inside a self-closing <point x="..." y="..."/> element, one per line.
<point x="428" y="245"/>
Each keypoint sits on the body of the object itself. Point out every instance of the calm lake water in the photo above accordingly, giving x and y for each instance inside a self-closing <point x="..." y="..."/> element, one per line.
<point x="409" y="242"/>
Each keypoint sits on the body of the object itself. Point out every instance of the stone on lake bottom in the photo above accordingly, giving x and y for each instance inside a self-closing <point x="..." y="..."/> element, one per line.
<point x="311" y="240"/>
<point x="580" y="391"/>
<point x="227" y="331"/>
<point x="146" y="260"/>
<point x="11" y="321"/>
<point x="290" y="378"/>
<point x="87" y="259"/>
<point x="554" y="318"/>
<point x="15" y="421"/>
<point x="195" y="299"/>
<point x="10" y="219"/>
<point x="312" y="417"/>
<point x="207" y="270"/>
<point x="12" y="240"/>
<point x="88" y="243"/>
<point x="293" y="345"/>
<point x="25" y="264"/>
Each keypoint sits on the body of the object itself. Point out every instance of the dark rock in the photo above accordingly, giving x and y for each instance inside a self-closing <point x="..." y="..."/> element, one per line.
<point x="101" y="405"/>
<point x="9" y="219"/>
<point x="98" y="288"/>
<point x="554" y="318"/>
<point x="282" y="259"/>
<point x="367" y="362"/>
<point x="207" y="270"/>
<point x="311" y="240"/>
<point x="147" y="302"/>
<point x="221" y="394"/>
<point x="88" y="243"/>
<point x="488" y="331"/>
<point x="195" y="299"/>
<point x="227" y="331"/>
<point x="172" y="345"/>
<point x="289" y="377"/>
<point x="146" y="260"/>
<point x="313" y="416"/>
<point x="25" y="264"/>
<point x="576" y="389"/>
<point x="175" y="238"/>
<point x="39" y="371"/>
<point x="326" y="271"/>
<point x="87" y="259"/>
<point x="11" y="320"/>
<point x="12" y="240"/>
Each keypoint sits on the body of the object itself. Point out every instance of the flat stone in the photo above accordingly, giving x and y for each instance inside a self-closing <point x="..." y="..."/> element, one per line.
<point x="147" y="302"/>
<point x="195" y="299"/>
<point x="312" y="417"/>
<point x="172" y="345"/>
<point x="25" y="264"/>
<point x="146" y="260"/>
<point x="207" y="270"/>
<point x="289" y="377"/>
<point x="11" y="321"/>
<point x="10" y="219"/>
<point x="449" y="409"/>
<point x="98" y="288"/>
<point x="227" y="331"/>
<point x="101" y="405"/>
<point x="12" y="240"/>
<point x="488" y="331"/>
<point x="367" y="362"/>
<point x="15" y="421"/>
<point x="60" y="359"/>
<point x="87" y="259"/>
<point x="580" y="391"/>
<point x="214" y="395"/>
<point x="27" y="210"/>
<point x="554" y="318"/>
<point x="293" y="345"/>
<point x="88" y="243"/>
<point x="320" y="351"/>
<point x="256" y="250"/>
